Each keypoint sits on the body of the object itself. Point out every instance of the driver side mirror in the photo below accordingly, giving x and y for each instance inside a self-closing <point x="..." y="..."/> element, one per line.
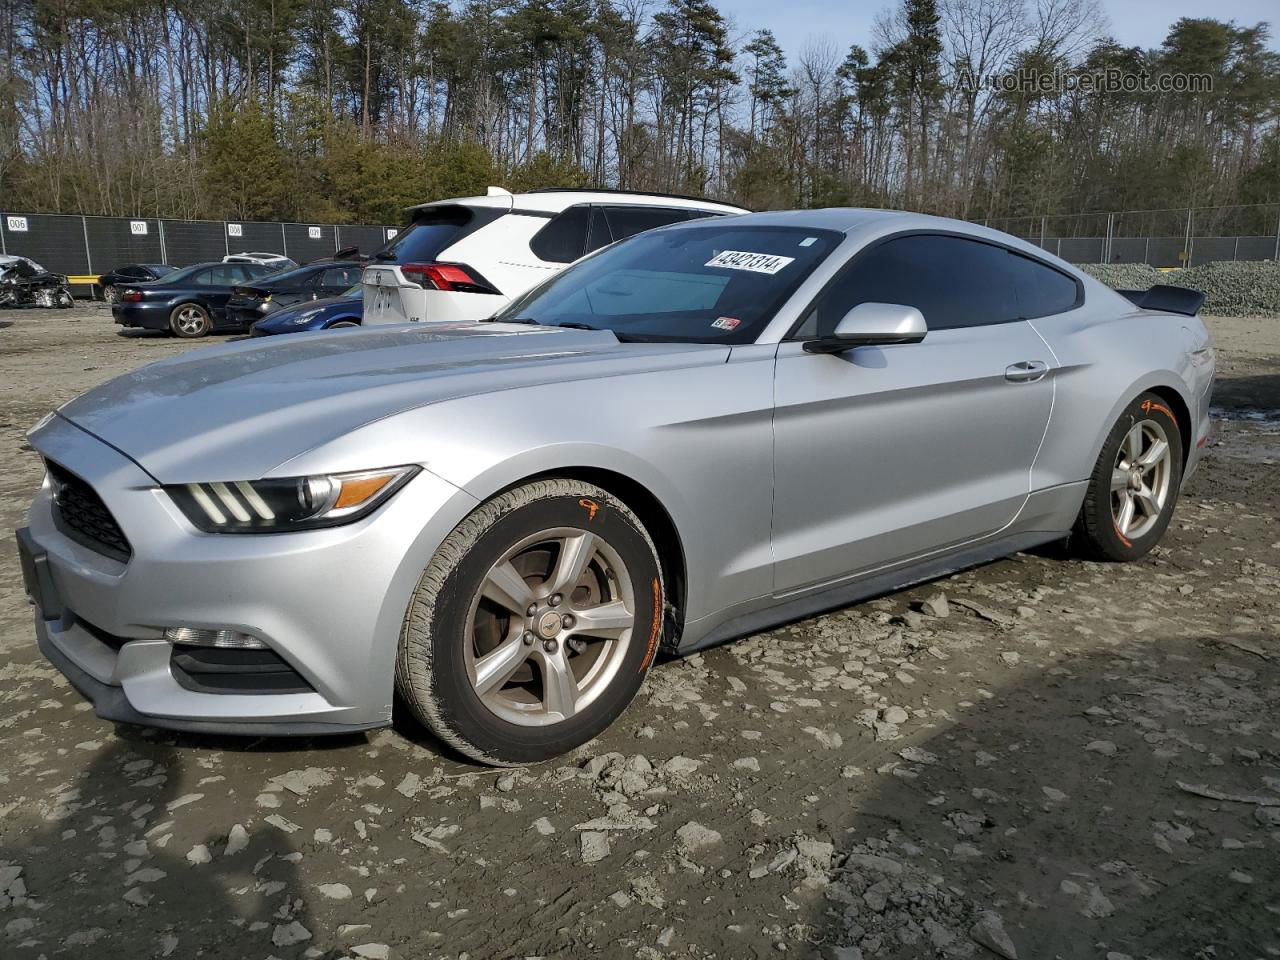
<point x="870" y="325"/>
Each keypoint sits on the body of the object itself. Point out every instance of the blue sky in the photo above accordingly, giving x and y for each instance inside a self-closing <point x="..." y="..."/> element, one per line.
<point x="844" y="22"/>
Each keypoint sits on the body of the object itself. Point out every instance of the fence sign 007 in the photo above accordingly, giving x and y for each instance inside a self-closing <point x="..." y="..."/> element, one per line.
<point x="17" y="224"/>
<point x="138" y="228"/>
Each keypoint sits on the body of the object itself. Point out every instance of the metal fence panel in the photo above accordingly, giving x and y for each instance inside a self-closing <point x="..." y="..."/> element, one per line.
<point x="1080" y="249"/>
<point x="1166" y="251"/>
<point x="55" y="242"/>
<point x="116" y="242"/>
<point x="1128" y="250"/>
<point x="368" y="239"/>
<point x="1208" y="249"/>
<point x="1257" y="248"/>
<point x="306" y="242"/>
<point x="193" y="241"/>
<point x="254" y="237"/>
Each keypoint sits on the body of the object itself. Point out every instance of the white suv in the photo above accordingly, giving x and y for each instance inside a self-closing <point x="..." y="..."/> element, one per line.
<point x="465" y="259"/>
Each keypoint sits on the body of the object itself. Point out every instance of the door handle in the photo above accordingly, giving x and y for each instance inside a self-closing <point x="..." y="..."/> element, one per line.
<point x="1028" y="371"/>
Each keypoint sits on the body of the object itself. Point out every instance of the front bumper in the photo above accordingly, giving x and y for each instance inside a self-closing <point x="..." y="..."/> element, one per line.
<point x="328" y="603"/>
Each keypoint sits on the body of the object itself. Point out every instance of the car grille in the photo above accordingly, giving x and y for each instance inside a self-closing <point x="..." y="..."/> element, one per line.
<point x="82" y="516"/>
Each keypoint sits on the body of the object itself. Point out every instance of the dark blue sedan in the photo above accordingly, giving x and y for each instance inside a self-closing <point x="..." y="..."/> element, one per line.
<point x="344" y="311"/>
<point x="191" y="302"/>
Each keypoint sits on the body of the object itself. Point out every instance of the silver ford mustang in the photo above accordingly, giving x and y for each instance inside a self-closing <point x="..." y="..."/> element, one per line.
<point x="697" y="433"/>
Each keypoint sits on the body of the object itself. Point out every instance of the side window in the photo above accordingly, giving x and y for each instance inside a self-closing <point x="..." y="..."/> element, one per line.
<point x="1042" y="290"/>
<point x="134" y="273"/>
<point x="564" y="238"/>
<point x="204" y="278"/>
<point x="628" y="221"/>
<point x="952" y="281"/>
<point x="601" y="235"/>
<point x="340" y="277"/>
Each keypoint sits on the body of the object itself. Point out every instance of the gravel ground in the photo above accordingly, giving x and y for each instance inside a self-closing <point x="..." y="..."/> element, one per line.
<point x="1038" y="758"/>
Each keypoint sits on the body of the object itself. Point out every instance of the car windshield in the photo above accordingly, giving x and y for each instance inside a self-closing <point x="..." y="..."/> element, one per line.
<point x="289" y="276"/>
<point x="352" y="292"/>
<point x="709" y="283"/>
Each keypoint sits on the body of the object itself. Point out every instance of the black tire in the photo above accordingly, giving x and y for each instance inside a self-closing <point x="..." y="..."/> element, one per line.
<point x="181" y="321"/>
<point x="1097" y="534"/>
<point x="110" y="294"/>
<point x="342" y="324"/>
<point x="431" y="670"/>
<point x="63" y="300"/>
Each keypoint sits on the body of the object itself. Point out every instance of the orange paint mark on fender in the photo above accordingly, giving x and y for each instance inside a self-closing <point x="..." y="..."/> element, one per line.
<point x="657" y="626"/>
<point x="590" y="506"/>
<point x="1149" y="405"/>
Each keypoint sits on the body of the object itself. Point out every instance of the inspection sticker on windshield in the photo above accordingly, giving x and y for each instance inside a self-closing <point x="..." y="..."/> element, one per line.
<point x="743" y="260"/>
<point x="726" y="323"/>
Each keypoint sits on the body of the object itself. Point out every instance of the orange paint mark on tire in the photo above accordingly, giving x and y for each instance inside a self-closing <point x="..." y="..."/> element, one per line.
<point x="657" y="626"/>
<point x="590" y="506"/>
<point x="1149" y="405"/>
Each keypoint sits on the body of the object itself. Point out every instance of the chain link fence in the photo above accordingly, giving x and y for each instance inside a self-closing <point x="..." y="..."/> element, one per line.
<point x="1179" y="237"/>
<point x="90" y="246"/>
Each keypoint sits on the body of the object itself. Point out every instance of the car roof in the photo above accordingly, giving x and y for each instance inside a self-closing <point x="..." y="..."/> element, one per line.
<point x="870" y="223"/>
<point x="554" y="201"/>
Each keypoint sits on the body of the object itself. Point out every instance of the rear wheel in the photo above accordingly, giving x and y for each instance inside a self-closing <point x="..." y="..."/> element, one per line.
<point x="1135" y="483"/>
<point x="189" y="320"/>
<point x="533" y="626"/>
<point x="110" y="294"/>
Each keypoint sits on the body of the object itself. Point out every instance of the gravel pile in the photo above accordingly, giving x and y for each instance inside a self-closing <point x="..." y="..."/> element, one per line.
<point x="1231" y="288"/>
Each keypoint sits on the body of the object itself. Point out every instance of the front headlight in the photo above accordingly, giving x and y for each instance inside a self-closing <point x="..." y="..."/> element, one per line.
<point x="293" y="503"/>
<point x="306" y="316"/>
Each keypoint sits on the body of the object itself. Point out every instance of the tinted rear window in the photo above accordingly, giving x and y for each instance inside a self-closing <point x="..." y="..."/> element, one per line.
<point x="431" y="232"/>
<point x="1042" y="290"/>
<point x="564" y="238"/>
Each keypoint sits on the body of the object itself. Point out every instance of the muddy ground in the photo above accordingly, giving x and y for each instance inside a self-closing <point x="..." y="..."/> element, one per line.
<point x="1063" y="759"/>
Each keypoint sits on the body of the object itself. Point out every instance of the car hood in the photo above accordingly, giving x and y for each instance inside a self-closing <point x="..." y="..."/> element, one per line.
<point x="237" y="411"/>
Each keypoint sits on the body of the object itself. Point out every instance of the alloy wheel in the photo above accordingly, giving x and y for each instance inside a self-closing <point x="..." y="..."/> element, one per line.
<point x="190" y="320"/>
<point x="1141" y="479"/>
<point x="549" y="627"/>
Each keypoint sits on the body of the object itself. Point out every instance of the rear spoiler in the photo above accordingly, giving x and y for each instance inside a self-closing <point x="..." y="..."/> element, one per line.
<point x="1166" y="299"/>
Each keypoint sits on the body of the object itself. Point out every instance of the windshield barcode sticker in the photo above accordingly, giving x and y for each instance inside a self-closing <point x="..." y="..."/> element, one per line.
<point x="755" y="262"/>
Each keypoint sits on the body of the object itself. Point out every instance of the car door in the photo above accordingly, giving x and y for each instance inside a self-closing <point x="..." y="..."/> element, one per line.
<point x="887" y="453"/>
<point x="215" y="285"/>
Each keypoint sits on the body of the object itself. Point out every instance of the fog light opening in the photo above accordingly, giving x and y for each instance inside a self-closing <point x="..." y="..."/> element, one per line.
<point x="226" y="639"/>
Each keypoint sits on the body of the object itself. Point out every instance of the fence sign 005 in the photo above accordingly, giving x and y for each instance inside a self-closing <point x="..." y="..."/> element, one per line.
<point x="138" y="228"/>
<point x="17" y="224"/>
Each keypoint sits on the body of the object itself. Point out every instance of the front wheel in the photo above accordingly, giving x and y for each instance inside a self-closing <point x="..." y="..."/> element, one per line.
<point x="534" y="624"/>
<point x="1134" y="485"/>
<point x="343" y="324"/>
<point x="190" y="320"/>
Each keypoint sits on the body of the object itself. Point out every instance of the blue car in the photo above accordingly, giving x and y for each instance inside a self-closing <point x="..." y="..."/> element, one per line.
<point x="344" y="311"/>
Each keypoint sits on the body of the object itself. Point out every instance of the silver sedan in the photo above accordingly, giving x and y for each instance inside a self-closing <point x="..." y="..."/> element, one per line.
<point x="694" y="434"/>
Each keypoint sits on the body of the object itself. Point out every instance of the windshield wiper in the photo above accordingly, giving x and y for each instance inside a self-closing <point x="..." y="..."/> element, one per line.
<point x="574" y="325"/>
<point x="528" y="320"/>
<point x="384" y="255"/>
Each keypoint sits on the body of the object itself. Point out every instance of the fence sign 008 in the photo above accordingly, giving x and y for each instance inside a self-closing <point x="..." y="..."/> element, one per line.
<point x="235" y="230"/>
<point x="17" y="224"/>
<point x="138" y="228"/>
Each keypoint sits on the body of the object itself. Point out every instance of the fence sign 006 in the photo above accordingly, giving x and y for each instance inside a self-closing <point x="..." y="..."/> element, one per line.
<point x="138" y="228"/>
<point x="17" y="224"/>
